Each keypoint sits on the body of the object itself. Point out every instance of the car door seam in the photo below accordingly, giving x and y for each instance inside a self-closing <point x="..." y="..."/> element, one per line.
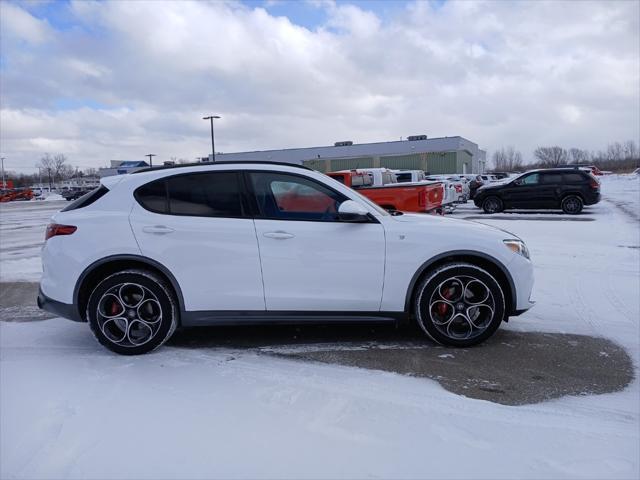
<point x="133" y="232"/>
<point x="264" y="293"/>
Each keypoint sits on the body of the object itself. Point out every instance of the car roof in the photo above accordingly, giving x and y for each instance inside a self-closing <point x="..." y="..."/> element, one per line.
<point x="225" y="162"/>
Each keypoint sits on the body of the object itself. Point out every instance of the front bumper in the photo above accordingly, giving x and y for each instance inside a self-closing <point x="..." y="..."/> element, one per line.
<point x="60" y="309"/>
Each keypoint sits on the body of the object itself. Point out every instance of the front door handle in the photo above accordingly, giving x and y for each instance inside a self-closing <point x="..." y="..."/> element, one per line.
<point x="278" y="235"/>
<point x="158" y="229"/>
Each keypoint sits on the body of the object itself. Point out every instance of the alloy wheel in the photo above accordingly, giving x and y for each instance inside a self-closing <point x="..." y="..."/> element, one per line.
<point x="129" y="315"/>
<point x="462" y="307"/>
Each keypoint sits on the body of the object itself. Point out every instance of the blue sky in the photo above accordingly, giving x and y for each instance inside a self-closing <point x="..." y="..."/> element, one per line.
<point x="116" y="79"/>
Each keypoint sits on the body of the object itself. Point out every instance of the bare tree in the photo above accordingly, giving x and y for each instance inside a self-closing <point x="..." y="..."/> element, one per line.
<point x="577" y="155"/>
<point x="66" y="172"/>
<point x="47" y="166"/>
<point x="551" y="156"/>
<point x="631" y="150"/>
<point x="59" y="165"/>
<point x="507" y="160"/>
<point x="615" y="151"/>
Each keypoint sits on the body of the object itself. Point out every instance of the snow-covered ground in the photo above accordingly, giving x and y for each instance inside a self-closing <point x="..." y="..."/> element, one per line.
<point x="22" y="228"/>
<point x="69" y="409"/>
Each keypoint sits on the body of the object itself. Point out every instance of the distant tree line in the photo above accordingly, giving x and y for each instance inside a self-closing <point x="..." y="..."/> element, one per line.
<point x="617" y="157"/>
<point x="51" y="169"/>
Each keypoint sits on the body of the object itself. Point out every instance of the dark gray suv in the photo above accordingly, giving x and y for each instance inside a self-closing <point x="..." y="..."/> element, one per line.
<point x="569" y="189"/>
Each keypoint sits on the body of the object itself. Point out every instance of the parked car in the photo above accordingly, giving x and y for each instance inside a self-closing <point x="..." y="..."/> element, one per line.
<point x="456" y="184"/>
<point x="500" y="175"/>
<point x="73" y="194"/>
<point x="215" y="244"/>
<point x="421" y="197"/>
<point x="584" y="166"/>
<point x="569" y="189"/>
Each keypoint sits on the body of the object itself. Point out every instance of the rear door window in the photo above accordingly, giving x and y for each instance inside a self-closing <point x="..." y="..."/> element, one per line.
<point x="551" y="178"/>
<point x="212" y="194"/>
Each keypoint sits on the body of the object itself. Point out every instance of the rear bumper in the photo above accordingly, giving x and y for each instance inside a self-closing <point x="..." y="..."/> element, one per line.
<point x="60" y="309"/>
<point x="592" y="199"/>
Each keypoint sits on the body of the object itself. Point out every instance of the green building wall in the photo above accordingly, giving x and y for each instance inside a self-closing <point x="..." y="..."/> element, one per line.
<point x="433" y="162"/>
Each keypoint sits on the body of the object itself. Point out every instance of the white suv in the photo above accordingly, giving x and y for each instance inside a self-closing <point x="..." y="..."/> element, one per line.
<point x="245" y="242"/>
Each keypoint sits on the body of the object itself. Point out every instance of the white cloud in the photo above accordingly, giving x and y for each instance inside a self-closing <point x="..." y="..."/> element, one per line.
<point x="495" y="72"/>
<point x="16" y="23"/>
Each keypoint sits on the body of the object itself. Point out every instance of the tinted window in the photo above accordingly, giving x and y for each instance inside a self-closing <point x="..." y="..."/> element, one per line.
<point x="153" y="196"/>
<point x="530" y="179"/>
<point x="553" y="178"/>
<point x="215" y="194"/>
<point x="573" y="177"/>
<point x="87" y="199"/>
<point x="403" y="177"/>
<point x="205" y="194"/>
<point x="290" y="197"/>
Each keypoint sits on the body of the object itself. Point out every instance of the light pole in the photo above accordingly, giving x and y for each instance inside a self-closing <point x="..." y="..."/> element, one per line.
<point x="3" y="184"/>
<point x="151" y="155"/>
<point x="213" y="147"/>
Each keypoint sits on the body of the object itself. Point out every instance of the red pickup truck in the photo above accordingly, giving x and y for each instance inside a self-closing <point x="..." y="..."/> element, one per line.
<point x="406" y="197"/>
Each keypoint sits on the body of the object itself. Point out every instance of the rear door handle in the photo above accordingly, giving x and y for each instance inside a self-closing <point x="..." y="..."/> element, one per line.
<point x="278" y="235"/>
<point x="158" y="229"/>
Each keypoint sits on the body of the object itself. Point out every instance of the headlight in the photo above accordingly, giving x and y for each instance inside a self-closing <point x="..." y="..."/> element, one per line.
<point x="518" y="247"/>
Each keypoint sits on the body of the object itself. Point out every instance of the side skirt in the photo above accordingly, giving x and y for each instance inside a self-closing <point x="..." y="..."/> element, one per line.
<point x="254" y="317"/>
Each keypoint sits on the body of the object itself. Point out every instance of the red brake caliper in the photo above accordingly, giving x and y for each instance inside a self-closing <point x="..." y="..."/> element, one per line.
<point x="114" y="308"/>
<point x="442" y="307"/>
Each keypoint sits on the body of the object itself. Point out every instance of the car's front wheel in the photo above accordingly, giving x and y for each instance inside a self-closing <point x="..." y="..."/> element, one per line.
<point x="132" y="312"/>
<point x="572" y="204"/>
<point x="459" y="304"/>
<point x="492" y="205"/>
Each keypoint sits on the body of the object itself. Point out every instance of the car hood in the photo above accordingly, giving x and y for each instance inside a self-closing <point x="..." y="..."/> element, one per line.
<point x="457" y="226"/>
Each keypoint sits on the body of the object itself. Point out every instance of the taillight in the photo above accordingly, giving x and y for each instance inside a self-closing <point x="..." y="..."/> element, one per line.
<point x="458" y="188"/>
<point x="593" y="183"/>
<point x="422" y="198"/>
<point x="54" y="229"/>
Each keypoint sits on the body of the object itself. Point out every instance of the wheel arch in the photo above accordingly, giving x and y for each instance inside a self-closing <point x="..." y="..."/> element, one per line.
<point x="480" y="259"/>
<point x="112" y="264"/>
<point x="570" y="193"/>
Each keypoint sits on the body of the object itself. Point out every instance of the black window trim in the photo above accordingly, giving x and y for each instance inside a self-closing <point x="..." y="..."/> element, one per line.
<point x="165" y="180"/>
<point x="248" y="202"/>
<point x="258" y="215"/>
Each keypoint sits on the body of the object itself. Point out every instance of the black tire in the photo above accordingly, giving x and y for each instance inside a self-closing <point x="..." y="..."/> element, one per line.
<point x="144" y="323"/>
<point x="492" y="204"/>
<point x="572" y="204"/>
<point x="428" y="303"/>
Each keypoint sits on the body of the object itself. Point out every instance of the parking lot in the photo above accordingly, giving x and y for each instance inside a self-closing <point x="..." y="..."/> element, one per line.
<point x="572" y="356"/>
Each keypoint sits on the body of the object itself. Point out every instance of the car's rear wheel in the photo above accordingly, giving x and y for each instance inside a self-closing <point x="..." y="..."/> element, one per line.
<point x="572" y="204"/>
<point x="459" y="304"/>
<point x="132" y="312"/>
<point x="492" y="205"/>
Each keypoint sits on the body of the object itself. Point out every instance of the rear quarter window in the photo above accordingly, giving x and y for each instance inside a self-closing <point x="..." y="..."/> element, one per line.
<point x="574" y="177"/>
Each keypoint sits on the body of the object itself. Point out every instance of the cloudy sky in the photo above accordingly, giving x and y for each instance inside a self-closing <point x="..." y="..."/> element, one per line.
<point x="117" y="80"/>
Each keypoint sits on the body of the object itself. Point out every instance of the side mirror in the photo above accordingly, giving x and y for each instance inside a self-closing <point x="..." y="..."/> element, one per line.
<point x="350" y="211"/>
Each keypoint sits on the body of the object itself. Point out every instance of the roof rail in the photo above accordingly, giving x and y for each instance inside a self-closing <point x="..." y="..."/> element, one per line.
<point x="224" y="162"/>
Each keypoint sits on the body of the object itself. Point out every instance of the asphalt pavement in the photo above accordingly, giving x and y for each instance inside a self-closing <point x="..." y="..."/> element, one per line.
<point x="511" y="368"/>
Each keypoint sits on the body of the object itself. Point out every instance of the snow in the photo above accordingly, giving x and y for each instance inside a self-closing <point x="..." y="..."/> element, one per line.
<point x="71" y="409"/>
<point x="22" y="229"/>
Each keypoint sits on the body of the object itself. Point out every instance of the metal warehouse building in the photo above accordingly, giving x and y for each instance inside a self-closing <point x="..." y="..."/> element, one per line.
<point x="434" y="155"/>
